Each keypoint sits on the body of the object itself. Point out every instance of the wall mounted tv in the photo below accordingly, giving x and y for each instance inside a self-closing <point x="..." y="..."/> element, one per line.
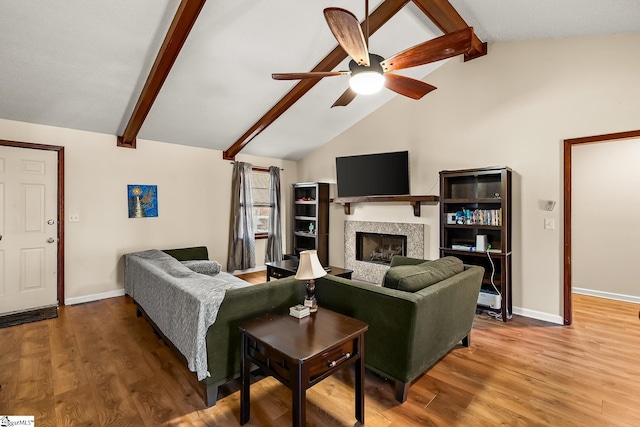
<point x="383" y="174"/>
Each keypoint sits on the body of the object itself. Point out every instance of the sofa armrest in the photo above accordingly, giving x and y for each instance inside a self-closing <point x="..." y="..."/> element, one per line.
<point x="223" y="337"/>
<point x="445" y="317"/>
<point x="390" y="314"/>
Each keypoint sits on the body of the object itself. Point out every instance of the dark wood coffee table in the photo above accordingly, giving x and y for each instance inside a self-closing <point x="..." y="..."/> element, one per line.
<point x="300" y="353"/>
<point x="288" y="267"/>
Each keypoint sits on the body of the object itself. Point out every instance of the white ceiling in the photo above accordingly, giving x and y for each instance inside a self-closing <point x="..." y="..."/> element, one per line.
<point x="81" y="64"/>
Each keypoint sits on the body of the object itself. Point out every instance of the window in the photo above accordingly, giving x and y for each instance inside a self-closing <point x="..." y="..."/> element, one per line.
<point x="261" y="206"/>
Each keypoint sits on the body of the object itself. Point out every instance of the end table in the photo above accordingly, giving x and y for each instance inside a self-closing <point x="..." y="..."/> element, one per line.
<point x="302" y="352"/>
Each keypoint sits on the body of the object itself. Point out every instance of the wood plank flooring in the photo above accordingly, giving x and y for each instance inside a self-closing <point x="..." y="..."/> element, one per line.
<point x="97" y="364"/>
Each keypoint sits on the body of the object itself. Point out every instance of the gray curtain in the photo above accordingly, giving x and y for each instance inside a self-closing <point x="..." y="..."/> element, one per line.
<point x="274" y="240"/>
<point x="242" y="247"/>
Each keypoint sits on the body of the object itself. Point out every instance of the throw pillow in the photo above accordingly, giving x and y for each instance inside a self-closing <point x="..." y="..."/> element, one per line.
<point x="412" y="278"/>
<point x="203" y="267"/>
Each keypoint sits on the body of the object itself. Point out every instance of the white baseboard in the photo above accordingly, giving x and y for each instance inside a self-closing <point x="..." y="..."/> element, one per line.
<point x="539" y="315"/>
<point x="559" y="319"/>
<point x="608" y="295"/>
<point x="94" y="297"/>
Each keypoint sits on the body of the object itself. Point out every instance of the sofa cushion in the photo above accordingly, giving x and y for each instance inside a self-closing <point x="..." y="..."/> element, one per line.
<point x="405" y="260"/>
<point x="203" y="267"/>
<point x="412" y="278"/>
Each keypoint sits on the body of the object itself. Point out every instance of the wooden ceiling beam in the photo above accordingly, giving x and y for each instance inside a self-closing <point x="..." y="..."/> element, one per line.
<point x="445" y="17"/>
<point x="181" y="26"/>
<point x="377" y="19"/>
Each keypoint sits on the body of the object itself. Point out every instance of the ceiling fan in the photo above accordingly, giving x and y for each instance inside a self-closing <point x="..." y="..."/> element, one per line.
<point x="370" y="72"/>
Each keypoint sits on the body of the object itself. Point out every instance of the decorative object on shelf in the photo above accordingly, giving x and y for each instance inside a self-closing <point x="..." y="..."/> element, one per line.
<point x="310" y="269"/>
<point x="311" y="227"/>
<point x="143" y="201"/>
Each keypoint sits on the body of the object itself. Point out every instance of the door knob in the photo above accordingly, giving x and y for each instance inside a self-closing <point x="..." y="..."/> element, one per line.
<point x="51" y="240"/>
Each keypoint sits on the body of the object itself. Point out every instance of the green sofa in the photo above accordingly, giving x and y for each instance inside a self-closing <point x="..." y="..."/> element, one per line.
<point x="408" y="331"/>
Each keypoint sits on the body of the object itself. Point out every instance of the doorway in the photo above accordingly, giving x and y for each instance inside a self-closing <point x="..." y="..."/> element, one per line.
<point x="568" y="145"/>
<point x="34" y="224"/>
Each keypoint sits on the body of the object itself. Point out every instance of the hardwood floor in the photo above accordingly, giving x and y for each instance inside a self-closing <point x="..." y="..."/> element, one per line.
<point x="97" y="364"/>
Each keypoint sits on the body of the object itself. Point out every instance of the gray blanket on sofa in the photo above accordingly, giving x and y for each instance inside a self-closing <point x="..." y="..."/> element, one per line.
<point x="181" y="302"/>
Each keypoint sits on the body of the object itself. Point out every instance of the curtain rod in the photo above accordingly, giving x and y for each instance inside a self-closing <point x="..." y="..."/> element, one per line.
<point x="261" y="168"/>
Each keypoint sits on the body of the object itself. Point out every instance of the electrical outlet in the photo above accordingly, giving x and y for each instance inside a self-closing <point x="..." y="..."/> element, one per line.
<point x="549" y="224"/>
<point x="74" y="217"/>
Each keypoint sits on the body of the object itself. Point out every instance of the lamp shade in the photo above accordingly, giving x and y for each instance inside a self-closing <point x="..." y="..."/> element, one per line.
<point x="309" y="266"/>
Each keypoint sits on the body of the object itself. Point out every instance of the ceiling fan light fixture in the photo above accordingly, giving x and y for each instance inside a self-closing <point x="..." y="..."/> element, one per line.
<point x="366" y="82"/>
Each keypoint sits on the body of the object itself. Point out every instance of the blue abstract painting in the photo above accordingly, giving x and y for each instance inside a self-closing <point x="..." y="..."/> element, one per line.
<point x="143" y="201"/>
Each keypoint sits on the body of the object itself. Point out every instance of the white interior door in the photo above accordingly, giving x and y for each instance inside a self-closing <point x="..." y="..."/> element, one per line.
<point x="28" y="226"/>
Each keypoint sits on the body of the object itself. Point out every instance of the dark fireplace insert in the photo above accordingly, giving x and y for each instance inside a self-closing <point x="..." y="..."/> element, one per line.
<point x="379" y="248"/>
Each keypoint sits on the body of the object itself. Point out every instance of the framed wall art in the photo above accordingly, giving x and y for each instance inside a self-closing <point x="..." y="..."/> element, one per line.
<point x="143" y="201"/>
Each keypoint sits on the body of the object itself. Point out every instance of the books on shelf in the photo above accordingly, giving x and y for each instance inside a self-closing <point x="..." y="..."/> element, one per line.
<point x="459" y="247"/>
<point x="299" y="311"/>
<point x="479" y="217"/>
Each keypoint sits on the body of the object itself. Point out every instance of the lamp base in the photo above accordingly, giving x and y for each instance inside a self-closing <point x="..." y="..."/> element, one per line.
<point x="312" y="303"/>
<point x="310" y="300"/>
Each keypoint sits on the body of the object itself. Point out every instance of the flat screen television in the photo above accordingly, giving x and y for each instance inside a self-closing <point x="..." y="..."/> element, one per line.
<point x="382" y="174"/>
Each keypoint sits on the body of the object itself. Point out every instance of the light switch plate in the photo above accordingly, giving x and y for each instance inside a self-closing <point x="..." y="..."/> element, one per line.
<point x="74" y="217"/>
<point x="549" y="224"/>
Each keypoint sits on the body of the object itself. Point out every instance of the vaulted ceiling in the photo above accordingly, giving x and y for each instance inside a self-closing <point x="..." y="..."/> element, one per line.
<point x="82" y="64"/>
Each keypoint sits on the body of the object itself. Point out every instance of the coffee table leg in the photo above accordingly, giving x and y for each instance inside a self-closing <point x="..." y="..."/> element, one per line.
<point x="299" y="399"/>
<point x="245" y="410"/>
<point x="359" y="386"/>
<point x="268" y="273"/>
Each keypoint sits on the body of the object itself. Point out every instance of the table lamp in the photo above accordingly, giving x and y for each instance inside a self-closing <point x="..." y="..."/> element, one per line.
<point x="309" y="269"/>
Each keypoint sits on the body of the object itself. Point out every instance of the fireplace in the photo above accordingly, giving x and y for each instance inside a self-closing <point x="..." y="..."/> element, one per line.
<point x="373" y="272"/>
<point x="379" y="248"/>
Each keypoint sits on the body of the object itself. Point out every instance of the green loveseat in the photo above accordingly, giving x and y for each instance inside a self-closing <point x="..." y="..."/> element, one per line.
<point x="408" y="331"/>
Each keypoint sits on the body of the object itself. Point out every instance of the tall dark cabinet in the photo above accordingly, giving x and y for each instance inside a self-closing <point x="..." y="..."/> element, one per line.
<point x="477" y="202"/>
<point x="310" y="222"/>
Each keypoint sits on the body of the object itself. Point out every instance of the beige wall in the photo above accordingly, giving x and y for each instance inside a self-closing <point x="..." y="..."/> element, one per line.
<point x="193" y="201"/>
<point x="513" y="107"/>
<point x="605" y="224"/>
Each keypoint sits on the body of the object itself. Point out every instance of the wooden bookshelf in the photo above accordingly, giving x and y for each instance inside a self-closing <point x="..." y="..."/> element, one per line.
<point x="474" y="192"/>
<point x="310" y="219"/>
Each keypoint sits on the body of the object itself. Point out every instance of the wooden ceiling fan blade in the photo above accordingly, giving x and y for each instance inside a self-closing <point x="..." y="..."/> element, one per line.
<point x="346" y="29"/>
<point x="311" y="75"/>
<point x="345" y="98"/>
<point x="443" y="47"/>
<point x="407" y="86"/>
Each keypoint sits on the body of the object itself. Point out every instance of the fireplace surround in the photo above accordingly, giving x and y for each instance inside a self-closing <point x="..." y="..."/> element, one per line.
<point x="374" y="272"/>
